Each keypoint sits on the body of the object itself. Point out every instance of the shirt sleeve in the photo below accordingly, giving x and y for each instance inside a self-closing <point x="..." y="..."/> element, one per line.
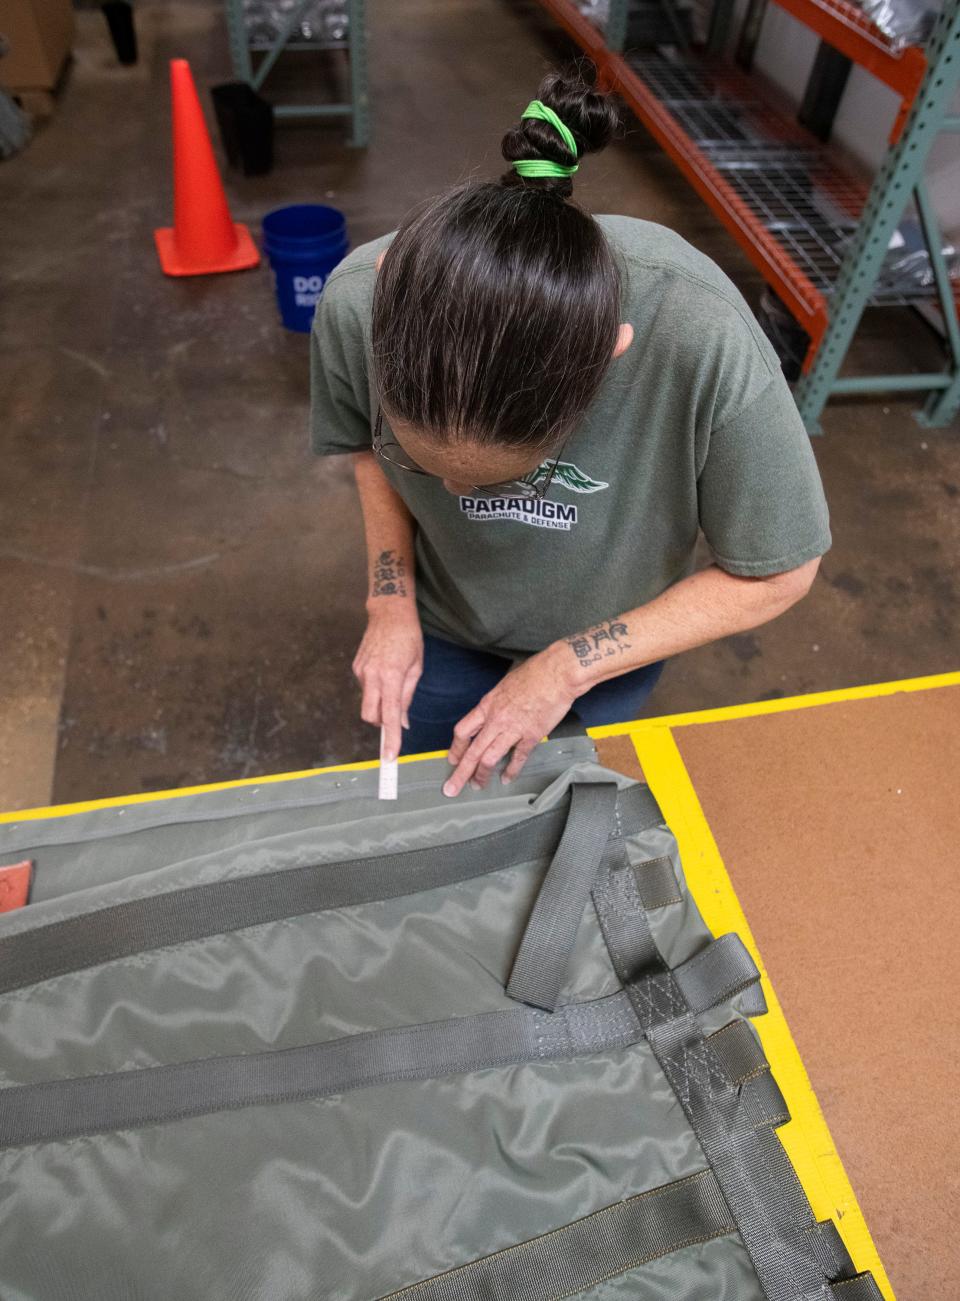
<point x="339" y="394"/>
<point x="761" y="501"/>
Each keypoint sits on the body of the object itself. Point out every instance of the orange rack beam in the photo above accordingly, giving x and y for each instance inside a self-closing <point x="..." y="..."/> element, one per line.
<point x="848" y="29"/>
<point x="843" y="26"/>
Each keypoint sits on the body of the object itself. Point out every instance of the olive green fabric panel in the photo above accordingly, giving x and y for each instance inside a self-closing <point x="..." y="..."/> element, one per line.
<point x="607" y="1243"/>
<point x="432" y="956"/>
<point x="118" y="844"/>
<point x="351" y="1196"/>
<point x="367" y="1192"/>
<point x="428" y="957"/>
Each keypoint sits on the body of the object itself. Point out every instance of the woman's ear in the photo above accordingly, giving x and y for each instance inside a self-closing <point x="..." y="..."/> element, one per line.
<point x="624" y="339"/>
<point x="382" y="255"/>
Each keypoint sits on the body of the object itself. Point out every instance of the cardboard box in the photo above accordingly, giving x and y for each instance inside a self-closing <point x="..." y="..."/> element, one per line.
<point x="37" y="36"/>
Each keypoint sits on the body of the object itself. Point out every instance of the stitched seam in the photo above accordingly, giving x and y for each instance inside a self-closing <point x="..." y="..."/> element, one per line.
<point x="543" y="1237"/>
<point x="644" y="1260"/>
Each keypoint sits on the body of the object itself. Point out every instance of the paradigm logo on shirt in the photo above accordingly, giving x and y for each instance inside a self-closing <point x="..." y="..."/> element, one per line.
<point x="526" y="510"/>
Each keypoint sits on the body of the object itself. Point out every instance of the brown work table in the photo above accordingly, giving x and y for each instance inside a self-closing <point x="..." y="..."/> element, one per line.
<point x="838" y="821"/>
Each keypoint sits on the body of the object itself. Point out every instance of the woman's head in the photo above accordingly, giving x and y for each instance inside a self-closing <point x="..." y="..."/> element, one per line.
<point x="497" y="305"/>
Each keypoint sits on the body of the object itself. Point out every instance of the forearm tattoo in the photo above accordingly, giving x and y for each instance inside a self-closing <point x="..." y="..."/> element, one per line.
<point x="389" y="575"/>
<point x="601" y="642"/>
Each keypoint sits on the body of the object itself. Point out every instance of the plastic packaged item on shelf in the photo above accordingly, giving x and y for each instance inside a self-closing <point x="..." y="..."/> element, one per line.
<point x="322" y="20"/>
<point x="790" y="340"/>
<point x="907" y="270"/>
<point x="908" y="258"/>
<point x="14" y="127"/>
<point x="648" y="23"/>
<point x="598" y="11"/>
<point x="903" y="22"/>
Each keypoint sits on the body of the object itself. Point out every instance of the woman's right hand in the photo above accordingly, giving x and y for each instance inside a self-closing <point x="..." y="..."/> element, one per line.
<point x="388" y="664"/>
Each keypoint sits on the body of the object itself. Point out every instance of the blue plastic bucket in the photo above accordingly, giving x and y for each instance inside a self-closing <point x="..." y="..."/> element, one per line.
<point x="304" y="243"/>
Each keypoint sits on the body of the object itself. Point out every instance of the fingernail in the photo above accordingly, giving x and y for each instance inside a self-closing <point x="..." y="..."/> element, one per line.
<point x="505" y="781"/>
<point x="448" y="789"/>
<point x="475" y="786"/>
<point x="450" y="759"/>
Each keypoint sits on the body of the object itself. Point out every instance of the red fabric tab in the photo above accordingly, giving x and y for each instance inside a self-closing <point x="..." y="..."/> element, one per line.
<point x="14" y="885"/>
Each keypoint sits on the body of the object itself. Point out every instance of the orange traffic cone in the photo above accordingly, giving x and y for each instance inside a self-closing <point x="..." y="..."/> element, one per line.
<point x="204" y="237"/>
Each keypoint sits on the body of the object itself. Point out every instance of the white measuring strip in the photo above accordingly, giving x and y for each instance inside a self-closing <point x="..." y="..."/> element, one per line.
<point x="388" y="776"/>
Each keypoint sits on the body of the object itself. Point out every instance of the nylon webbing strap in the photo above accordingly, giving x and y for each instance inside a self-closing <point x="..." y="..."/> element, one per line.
<point x="835" y="1260"/>
<point x="229" y="905"/>
<point x="579" y="1255"/>
<point x="541" y="964"/>
<point x="764" y="1101"/>
<point x="55" y="1109"/>
<point x="739" y="1051"/>
<point x="861" y="1288"/>
<point x="744" y="1061"/>
<point x="657" y="883"/>
<point x="785" y="1263"/>
<point x="723" y="969"/>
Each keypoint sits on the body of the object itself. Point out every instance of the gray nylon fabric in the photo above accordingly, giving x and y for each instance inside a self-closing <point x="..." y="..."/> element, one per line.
<point x="68" y="1108"/>
<point x="357" y="1194"/>
<point x="131" y="1099"/>
<point x="194" y="912"/>
<point x="609" y="1242"/>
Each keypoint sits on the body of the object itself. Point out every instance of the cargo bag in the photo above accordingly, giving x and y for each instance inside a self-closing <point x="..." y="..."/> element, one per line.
<point x="284" y="1042"/>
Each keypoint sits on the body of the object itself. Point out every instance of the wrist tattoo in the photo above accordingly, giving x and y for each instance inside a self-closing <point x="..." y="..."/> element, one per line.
<point x="389" y="575"/>
<point x="604" y="640"/>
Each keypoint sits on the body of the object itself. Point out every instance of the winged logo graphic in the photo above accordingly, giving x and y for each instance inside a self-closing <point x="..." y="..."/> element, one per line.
<point x="569" y="476"/>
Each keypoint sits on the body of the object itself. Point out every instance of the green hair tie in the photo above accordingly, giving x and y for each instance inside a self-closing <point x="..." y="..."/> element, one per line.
<point x="542" y="166"/>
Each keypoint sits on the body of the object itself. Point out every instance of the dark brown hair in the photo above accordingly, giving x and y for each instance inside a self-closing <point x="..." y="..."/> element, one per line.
<point x="497" y="306"/>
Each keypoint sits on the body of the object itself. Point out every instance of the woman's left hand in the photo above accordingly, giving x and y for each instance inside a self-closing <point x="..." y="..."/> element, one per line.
<point x="519" y="711"/>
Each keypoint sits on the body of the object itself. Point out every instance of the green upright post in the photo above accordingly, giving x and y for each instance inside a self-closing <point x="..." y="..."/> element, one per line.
<point x="359" y="97"/>
<point x="358" y="108"/>
<point x="239" y="49"/>
<point x="897" y="178"/>
<point x="615" y="31"/>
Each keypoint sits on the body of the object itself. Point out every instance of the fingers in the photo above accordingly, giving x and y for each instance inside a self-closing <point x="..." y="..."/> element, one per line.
<point x="409" y="687"/>
<point x="490" y="758"/>
<point x="464" y="730"/>
<point x="478" y="762"/>
<point x="521" y="753"/>
<point x="391" y="712"/>
<point x="370" y="702"/>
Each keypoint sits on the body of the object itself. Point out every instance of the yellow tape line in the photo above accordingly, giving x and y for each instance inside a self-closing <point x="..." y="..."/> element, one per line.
<point x="781" y="706"/>
<point x="805" y="1137"/>
<point x="61" y="810"/>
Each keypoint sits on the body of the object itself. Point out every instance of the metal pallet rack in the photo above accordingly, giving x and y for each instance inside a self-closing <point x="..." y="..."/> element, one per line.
<point x="243" y="50"/>
<point x="819" y="237"/>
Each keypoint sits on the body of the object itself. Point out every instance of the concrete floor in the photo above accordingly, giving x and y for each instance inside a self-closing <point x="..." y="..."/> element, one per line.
<point x="181" y="585"/>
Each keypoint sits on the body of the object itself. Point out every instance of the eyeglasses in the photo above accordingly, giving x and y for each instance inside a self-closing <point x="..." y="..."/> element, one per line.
<point x="534" y="485"/>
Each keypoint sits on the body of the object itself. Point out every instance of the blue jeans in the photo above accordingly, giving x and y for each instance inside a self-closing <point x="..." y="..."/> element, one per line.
<point x="455" y="678"/>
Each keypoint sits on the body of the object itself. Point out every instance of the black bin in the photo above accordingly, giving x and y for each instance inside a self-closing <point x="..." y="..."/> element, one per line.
<point x="246" y="127"/>
<point x="119" y="16"/>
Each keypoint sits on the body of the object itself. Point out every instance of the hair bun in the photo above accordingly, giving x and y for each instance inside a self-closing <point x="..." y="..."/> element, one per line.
<point x="590" y="115"/>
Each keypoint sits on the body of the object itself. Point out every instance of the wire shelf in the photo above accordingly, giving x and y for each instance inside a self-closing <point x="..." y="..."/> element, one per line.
<point x="808" y="205"/>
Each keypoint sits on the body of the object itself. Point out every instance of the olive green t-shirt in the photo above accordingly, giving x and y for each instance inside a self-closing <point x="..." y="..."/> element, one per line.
<point x="694" y="428"/>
